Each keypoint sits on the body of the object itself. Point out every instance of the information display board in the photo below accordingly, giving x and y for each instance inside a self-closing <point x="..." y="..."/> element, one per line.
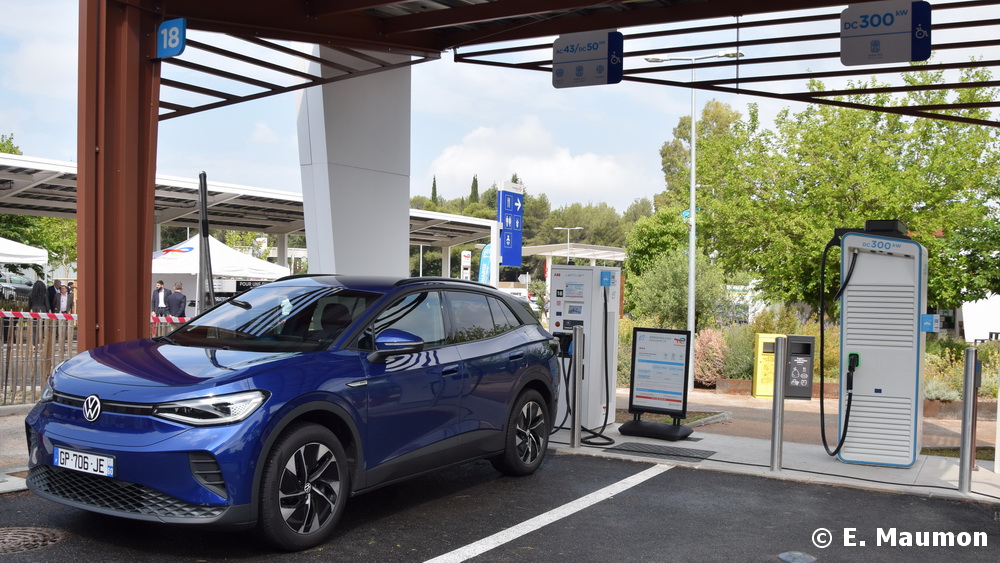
<point x="659" y="371"/>
<point x="510" y="213"/>
<point x="892" y="31"/>
<point x="588" y="59"/>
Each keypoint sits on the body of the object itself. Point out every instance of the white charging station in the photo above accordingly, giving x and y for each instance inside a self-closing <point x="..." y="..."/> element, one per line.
<point x="881" y="312"/>
<point x="588" y="296"/>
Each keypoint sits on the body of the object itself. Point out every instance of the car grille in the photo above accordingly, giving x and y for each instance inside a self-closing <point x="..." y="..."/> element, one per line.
<point x="106" y="406"/>
<point x="207" y="472"/>
<point x="113" y="495"/>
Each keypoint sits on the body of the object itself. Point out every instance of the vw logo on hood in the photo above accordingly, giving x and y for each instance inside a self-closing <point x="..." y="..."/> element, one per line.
<point x="91" y="408"/>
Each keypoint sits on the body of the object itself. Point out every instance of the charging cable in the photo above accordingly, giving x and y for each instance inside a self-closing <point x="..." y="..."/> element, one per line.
<point x="853" y="359"/>
<point x="596" y="438"/>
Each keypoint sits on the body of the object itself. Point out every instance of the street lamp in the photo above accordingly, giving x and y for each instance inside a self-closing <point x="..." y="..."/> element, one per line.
<point x="567" y="229"/>
<point x="732" y="54"/>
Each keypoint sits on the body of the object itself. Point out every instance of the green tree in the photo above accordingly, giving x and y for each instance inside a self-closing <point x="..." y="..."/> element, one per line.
<point x="664" y="231"/>
<point x="20" y="228"/>
<point x="58" y="236"/>
<point x="246" y="239"/>
<point x="641" y="207"/>
<point x="7" y="145"/>
<point x="434" y="190"/>
<point x="778" y="196"/>
<point x="661" y="294"/>
<point x="474" y="192"/>
<point x="769" y="200"/>
<point x="717" y="121"/>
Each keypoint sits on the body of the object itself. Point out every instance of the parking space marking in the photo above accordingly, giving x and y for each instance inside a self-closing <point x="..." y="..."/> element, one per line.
<point x="542" y="520"/>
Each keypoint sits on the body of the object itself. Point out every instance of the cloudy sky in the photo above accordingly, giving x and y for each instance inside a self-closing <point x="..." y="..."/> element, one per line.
<point x="588" y="145"/>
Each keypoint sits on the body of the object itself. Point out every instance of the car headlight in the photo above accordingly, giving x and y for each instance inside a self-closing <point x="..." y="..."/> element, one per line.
<point x="48" y="393"/>
<point x="207" y="411"/>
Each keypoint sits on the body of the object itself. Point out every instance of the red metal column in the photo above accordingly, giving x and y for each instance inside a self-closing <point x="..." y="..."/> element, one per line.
<point x="116" y="143"/>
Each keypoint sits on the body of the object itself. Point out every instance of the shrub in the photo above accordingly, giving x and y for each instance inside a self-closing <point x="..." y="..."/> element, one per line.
<point x="625" y="326"/>
<point x="780" y="320"/>
<point x="941" y="390"/>
<point x="989" y="354"/>
<point x="831" y="350"/>
<point x="709" y="360"/>
<point x="944" y="368"/>
<point x="738" y="362"/>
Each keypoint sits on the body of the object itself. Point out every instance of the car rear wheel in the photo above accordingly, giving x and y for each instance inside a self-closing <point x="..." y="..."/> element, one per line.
<point x="305" y="486"/>
<point x="527" y="436"/>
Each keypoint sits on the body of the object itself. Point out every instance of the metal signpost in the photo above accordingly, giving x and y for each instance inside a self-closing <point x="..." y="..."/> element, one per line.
<point x="510" y="213"/>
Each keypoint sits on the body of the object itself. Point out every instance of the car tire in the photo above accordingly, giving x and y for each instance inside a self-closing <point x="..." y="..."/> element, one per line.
<point x="305" y="485"/>
<point x="526" y="436"/>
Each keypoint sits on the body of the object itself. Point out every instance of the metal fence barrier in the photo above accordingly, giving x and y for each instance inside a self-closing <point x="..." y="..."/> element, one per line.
<point x="31" y="344"/>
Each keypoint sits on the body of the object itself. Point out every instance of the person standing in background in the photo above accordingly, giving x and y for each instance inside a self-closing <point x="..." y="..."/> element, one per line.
<point x="54" y="296"/>
<point x="64" y="302"/>
<point x="177" y="301"/>
<point x="72" y="297"/>
<point x="159" y="301"/>
<point x="38" y="299"/>
<point x="38" y="302"/>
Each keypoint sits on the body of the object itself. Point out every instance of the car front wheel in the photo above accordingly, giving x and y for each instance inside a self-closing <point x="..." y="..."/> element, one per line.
<point x="527" y="436"/>
<point x="305" y="486"/>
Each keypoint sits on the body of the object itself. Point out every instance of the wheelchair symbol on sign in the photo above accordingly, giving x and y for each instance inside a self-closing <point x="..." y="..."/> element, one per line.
<point x="921" y="33"/>
<point x="615" y="59"/>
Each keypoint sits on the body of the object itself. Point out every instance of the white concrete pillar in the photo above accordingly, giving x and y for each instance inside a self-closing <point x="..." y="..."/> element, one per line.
<point x="281" y="242"/>
<point x="354" y="149"/>
<point x="446" y="261"/>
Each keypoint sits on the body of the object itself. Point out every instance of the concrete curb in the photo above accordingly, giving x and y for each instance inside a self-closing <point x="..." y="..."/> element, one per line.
<point x="718" y="417"/>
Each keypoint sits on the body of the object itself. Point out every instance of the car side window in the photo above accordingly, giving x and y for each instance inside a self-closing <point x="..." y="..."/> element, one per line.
<point x="503" y="318"/>
<point x="416" y="313"/>
<point x="475" y="316"/>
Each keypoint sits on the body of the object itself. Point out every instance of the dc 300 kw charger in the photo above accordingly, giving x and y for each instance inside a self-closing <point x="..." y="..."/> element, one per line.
<point x="882" y="343"/>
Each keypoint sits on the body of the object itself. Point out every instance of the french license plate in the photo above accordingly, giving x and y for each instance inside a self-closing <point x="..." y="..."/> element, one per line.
<point x="84" y="462"/>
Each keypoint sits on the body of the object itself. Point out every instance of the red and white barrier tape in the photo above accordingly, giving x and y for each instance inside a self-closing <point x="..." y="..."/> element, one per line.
<point x="169" y="319"/>
<point x="69" y="317"/>
<point x="26" y="315"/>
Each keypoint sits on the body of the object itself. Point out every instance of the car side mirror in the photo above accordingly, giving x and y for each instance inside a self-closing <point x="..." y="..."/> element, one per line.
<point x="394" y="342"/>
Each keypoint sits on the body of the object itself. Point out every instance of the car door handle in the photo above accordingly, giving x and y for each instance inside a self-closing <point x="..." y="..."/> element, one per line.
<point x="450" y="370"/>
<point x="516" y="356"/>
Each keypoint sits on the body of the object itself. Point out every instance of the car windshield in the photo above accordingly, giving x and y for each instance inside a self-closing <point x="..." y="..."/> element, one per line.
<point x="277" y="319"/>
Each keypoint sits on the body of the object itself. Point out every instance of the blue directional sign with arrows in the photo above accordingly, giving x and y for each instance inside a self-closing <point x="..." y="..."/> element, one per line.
<point x="510" y="213"/>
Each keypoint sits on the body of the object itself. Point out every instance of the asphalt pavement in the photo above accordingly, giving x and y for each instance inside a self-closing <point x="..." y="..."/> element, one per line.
<point x="710" y="497"/>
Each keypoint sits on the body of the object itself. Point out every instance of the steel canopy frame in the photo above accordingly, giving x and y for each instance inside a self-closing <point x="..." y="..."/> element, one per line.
<point x="116" y="152"/>
<point x="120" y="83"/>
<point x="805" y="48"/>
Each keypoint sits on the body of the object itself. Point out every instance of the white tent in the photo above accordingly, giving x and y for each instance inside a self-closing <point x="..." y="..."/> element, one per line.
<point x="12" y="252"/>
<point x="184" y="258"/>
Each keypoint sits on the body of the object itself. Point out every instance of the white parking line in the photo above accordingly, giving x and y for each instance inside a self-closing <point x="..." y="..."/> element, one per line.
<point x="528" y="526"/>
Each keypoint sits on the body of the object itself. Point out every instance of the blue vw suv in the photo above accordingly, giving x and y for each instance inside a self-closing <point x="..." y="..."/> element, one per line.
<point x="274" y="407"/>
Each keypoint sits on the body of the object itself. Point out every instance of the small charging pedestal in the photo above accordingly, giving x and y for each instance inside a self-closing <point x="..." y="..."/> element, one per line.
<point x="587" y="297"/>
<point x="658" y="383"/>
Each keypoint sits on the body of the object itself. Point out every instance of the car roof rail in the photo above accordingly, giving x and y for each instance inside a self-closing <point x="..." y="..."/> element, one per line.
<point x="439" y="279"/>
<point x="299" y="276"/>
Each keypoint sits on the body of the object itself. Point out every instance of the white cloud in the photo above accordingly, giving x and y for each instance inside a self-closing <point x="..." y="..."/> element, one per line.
<point x="38" y="62"/>
<point x="529" y="150"/>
